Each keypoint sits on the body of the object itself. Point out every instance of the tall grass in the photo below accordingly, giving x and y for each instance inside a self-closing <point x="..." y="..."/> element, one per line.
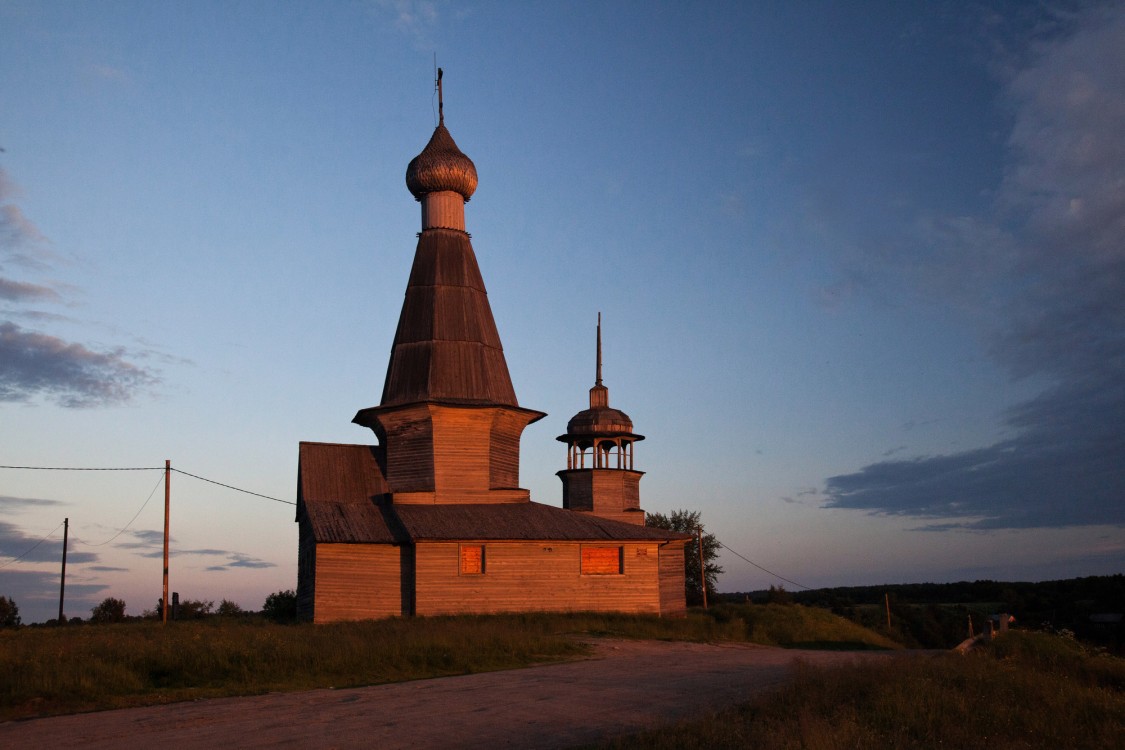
<point x="1023" y="691"/>
<point x="63" y="670"/>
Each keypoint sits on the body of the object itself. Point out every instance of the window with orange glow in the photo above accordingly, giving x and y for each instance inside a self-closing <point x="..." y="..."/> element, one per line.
<point x="601" y="561"/>
<point x="472" y="559"/>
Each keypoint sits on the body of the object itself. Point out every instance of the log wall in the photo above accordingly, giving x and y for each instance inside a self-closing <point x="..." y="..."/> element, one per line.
<point x="536" y="576"/>
<point x="358" y="582"/>
<point x="673" y="600"/>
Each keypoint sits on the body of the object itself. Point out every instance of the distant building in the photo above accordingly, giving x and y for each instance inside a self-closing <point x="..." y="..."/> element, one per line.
<point x="431" y="520"/>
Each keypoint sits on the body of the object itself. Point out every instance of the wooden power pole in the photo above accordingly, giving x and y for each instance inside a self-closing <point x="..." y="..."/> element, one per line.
<point x="62" y="582"/>
<point x="167" y="504"/>
<point x="702" y="567"/>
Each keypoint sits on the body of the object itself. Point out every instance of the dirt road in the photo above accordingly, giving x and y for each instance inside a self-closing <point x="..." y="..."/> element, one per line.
<point x="630" y="685"/>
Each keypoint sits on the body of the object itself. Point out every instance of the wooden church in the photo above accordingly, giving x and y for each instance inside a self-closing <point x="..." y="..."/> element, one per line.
<point x="432" y="520"/>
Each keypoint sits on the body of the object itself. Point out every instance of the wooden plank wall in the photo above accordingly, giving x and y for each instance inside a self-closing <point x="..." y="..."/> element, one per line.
<point x="673" y="601"/>
<point x="461" y="442"/>
<point x="535" y="576"/>
<point x="357" y="582"/>
<point x="504" y="453"/>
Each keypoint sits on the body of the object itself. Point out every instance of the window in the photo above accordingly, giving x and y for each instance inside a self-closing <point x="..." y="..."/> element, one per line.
<point x="472" y="559"/>
<point x="601" y="561"/>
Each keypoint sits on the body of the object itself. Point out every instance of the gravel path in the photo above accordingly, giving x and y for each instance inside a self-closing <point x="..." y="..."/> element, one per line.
<point x="629" y="685"/>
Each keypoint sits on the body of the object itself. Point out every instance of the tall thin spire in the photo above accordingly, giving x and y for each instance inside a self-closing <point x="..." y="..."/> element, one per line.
<point x="598" y="378"/>
<point x="599" y="394"/>
<point x="440" y="113"/>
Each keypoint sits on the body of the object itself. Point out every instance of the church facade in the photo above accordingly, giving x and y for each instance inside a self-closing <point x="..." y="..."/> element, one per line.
<point x="431" y="520"/>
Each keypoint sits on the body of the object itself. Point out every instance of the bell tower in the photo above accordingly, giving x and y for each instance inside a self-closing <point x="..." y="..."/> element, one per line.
<point x="599" y="477"/>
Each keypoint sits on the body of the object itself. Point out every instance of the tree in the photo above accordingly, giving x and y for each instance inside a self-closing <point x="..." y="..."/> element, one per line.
<point x="778" y="595"/>
<point x="227" y="608"/>
<point x="9" y="613"/>
<point x="689" y="521"/>
<point x="281" y="606"/>
<point x="193" y="609"/>
<point x="110" y="610"/>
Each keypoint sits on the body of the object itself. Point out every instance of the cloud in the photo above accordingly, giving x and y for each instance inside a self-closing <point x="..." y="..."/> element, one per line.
<point x="36" y="593"/>
<point x="34" y="364"/>
<point x="239" y="560"/>
<point x="106" y="569"/>
<point x="1046" y="270"/>
<point x="109" y="72"/>
<point x="15" y="504"/>
<point x="21" y="291"/>
<point x="38" y="364"/>
<point x="14" y="543"/>
<point x="415" y="18"/>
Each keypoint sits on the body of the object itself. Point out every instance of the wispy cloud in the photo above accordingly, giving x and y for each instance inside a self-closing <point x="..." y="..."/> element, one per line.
<point x="11" y="504"/>
<point x="415" y="18"/>
<point x="34" y="364"/>
<point x="239" y="560"/>
<point x="22" y="291"/>
<point x="16" y="543"/>
<point x="1047" y="270"/>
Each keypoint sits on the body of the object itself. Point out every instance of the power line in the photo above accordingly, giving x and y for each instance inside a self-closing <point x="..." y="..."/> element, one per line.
<point x="149" y="468"/>
<point x="232" y="487"/>
<point x="25" y="554"/>
<point x="134" y="518"/>
<point x="759" y="567"/>
<point x="86" y="468"/>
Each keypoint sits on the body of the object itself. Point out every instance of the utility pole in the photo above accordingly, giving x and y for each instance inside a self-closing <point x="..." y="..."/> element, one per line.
<point x="887" y="601"/>
<point x="167" y="505"/>
<point x="702" y="567"/>
<point x="62" y="582"/>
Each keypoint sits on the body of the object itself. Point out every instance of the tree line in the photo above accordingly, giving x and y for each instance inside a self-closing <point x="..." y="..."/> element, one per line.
<point x="280" y="606"/>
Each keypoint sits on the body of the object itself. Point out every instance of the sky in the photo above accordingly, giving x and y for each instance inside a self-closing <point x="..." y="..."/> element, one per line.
<point x="861" y="268"/>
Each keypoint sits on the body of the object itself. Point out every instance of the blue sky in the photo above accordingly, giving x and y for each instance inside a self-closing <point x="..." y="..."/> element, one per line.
<point x="860" y="266"/>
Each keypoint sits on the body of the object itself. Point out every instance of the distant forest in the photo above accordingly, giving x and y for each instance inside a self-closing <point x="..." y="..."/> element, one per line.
<point x="936" y="615"/>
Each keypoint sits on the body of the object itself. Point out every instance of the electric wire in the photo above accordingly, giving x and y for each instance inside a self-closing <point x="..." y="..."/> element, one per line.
<point x="134" y="518"/>
<point x="759" y="567"/>
<point x="86" y="468"/>
<point x="149" y="468"/>
<point x="28" y="552"/>
<point x="232" y="487"/>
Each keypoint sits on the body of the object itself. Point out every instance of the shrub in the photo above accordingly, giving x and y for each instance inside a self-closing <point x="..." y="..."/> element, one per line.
<point x="227" y="608"/>
<point x="110" y="610"/>
<point x="281" y="606"/>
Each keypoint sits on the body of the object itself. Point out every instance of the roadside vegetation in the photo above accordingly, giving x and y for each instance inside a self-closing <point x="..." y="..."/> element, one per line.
<point x="45" y="671"/>
<point x="1021" y="690"/>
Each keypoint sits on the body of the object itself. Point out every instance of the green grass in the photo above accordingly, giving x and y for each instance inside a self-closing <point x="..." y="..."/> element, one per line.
<point x="46" y="671"/>
<point x="1025" y="690"/>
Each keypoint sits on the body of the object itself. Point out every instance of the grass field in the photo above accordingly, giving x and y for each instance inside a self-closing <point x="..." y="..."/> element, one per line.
<point x="1024" y="690"/>
<point x="45" y="671"/>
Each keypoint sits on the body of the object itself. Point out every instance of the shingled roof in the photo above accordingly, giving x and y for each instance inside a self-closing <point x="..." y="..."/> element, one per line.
<point x="447" y="348"/>
<point x="342" y="492"/>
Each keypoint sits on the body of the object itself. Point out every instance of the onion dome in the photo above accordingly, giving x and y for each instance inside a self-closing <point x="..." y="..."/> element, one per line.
<point x="600" y="421"/>
<point x="441" y="167"/>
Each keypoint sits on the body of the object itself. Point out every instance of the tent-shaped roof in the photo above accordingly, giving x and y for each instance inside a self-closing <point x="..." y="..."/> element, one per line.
<point x="447" y="348"/>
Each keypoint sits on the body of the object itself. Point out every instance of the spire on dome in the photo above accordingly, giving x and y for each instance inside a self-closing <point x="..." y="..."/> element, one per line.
<point x="598" y="378"/>
<point x="441" y="167"/>
<point x="440" y="105"/>
<point x="599" y="394"/>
